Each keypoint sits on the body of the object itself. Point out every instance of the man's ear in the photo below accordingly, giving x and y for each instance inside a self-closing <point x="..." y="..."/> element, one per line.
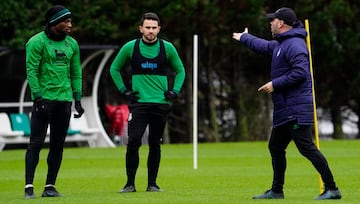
<point x="282" y="23"/>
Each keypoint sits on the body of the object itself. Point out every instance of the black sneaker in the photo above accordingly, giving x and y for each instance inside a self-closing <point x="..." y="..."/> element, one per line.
<point x="128" y="189"/>
<point x="154" y="188"/>
<point x="329" y="194"/>
<point x="269" y="194"/>
<point x="50" y="192"/>
<point x="29" y="193"/>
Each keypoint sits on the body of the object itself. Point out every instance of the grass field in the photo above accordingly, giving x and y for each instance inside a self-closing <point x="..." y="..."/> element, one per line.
<point x="227" y="173"/>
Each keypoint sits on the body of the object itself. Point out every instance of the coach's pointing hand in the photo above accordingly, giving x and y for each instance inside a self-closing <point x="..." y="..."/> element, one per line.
<point x="237" y="36"/>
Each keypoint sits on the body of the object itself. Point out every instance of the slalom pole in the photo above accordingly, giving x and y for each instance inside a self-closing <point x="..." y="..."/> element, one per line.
<point x="195" y="102"/>
<point x="317" y="143"/>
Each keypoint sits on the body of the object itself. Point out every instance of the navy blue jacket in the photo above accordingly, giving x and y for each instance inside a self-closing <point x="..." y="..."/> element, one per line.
<point x="290" y="74"/>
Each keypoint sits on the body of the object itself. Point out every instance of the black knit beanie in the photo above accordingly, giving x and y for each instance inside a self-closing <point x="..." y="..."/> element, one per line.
<point x="57" y="14"/>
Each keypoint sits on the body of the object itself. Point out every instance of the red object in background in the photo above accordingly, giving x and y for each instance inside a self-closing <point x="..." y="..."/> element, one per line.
<point x="118" y="117"/>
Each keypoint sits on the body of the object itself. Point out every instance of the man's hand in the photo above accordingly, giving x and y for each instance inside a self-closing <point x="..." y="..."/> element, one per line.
<point x="237" y="36"/>
<point x="268" y="87"/>
<point x="170" y="95"/>
<point x="38" y="101"/>
<point x="40" y="104"/>
<point x="131" y="96"/>
<point x="79" y="109"/>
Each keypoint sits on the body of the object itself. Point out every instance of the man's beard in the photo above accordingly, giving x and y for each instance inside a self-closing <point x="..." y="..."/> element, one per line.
<point x="150" y="38"/>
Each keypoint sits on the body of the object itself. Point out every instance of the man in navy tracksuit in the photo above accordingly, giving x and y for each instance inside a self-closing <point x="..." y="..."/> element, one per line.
<point x="291" y="89"/>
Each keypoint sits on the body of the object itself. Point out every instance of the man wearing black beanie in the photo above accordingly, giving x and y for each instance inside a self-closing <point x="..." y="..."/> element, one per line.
<point x="55" y="79"/>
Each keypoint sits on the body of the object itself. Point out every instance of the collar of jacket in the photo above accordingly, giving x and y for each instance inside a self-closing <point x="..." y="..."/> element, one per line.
<point x="54" y="36"/>
<point x="298" y="30"/>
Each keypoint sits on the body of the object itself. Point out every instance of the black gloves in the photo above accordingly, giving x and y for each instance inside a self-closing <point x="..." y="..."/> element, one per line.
<point x="170" y="95"/>
<point x="79" y="109"/>
<point x="38" y="100"/>
<point x="131" y="96"/>
<point x="40" y="104"/>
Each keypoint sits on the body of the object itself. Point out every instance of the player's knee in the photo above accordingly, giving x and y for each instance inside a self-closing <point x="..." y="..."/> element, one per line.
<point x="133" y="144"/>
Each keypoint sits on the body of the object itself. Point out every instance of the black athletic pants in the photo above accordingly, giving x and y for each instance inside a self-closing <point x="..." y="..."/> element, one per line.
<point x="301" y="135"/>
<point x="57" y="114"/>
<point x="141" y="115"/>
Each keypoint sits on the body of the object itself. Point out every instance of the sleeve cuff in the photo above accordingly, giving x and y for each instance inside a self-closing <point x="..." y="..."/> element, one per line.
<point x="77" y="96"/>
<point x="122" y="90"/>
<point x="37" y="95"/>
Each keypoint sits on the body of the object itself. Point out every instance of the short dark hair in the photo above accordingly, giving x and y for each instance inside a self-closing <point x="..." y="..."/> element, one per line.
<point x="150" y="16"/>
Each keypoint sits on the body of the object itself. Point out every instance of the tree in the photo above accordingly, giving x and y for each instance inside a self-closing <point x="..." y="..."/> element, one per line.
<point x="229" y="74"/>
<point x="334" y="38"/>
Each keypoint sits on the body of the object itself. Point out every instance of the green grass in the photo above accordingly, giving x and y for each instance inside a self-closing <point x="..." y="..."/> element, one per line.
<point x="227" y="173"/>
